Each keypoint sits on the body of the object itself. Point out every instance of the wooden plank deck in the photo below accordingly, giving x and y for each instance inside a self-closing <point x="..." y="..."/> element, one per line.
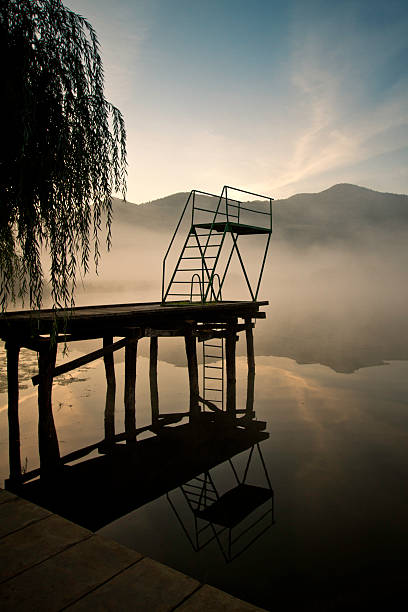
<point x="48" y="563"/>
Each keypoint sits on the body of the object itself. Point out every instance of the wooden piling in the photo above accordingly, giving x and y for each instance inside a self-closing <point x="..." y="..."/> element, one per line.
<point x="109" y="417"/>
<point x="251" y="368"/>
<point x="130" y="390"/>
<point x="47" y="435"/>
<point x="154" y="390"/>
<point x="192" y="364"/>
<point x="230" y="351"/>
<point x="13" y="351"/>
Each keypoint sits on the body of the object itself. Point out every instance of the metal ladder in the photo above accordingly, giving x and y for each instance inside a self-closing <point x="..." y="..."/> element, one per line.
<point x="213" y="375"/>
<point x="194" y="253"/>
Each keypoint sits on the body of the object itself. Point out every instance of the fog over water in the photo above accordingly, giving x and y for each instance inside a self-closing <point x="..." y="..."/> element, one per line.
<point x="331" y="384"/>
<point x="335" y="277"/>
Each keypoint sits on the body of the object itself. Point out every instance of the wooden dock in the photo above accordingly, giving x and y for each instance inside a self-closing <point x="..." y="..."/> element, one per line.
<point x="49" y="564"/>
<point x="121" y="326"/>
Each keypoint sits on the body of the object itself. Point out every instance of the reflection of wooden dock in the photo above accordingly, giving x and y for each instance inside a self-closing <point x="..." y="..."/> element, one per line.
<point x="128" y="322"/>
<point x="97" y="491"/>
<point x="48" y="563"/>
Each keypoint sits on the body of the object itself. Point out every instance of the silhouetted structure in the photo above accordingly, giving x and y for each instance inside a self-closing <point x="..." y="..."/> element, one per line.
<point x="96" y="491"/>
<point x="129" y="322"/>
<point x="213" y="219"/>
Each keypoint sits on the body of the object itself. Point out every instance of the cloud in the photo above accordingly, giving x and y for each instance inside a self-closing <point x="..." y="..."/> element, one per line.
<point x="347" y="112"/>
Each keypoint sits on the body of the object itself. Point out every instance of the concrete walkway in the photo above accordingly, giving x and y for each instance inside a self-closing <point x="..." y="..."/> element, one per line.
<point x="48" y="564"/>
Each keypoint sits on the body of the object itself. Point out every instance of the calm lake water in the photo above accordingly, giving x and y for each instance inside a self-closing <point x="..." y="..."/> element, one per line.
<point x="336" y="456"/>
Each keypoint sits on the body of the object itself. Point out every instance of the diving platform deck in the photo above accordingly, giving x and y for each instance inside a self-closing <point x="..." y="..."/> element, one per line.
<point x="240" y="229"/>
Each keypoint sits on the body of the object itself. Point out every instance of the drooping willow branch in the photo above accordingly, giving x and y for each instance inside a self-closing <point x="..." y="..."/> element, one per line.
<point x="63" y="150"/>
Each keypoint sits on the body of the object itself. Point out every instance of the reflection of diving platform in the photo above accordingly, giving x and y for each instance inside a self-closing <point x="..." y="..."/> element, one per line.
<point x="235" y="518"/>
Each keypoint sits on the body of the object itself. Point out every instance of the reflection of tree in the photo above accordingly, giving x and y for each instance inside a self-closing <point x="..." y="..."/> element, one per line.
<point x="65" y="149"/>
<point x="236" y="518"/>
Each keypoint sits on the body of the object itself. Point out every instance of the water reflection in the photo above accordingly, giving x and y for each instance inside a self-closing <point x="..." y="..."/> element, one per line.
<point x="236" y="518"/>
<point x="97" y="491"/>
<point x="335" y="441"/>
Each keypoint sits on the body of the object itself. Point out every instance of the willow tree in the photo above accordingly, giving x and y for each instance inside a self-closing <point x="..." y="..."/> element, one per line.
<point x="63" y="150"/>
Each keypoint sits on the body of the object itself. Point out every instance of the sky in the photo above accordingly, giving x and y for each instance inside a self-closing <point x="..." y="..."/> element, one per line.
<point x="276" y="97"/>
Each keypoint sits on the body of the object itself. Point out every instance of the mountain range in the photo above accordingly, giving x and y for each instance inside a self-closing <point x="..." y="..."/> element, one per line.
<point x="343" y="212"/>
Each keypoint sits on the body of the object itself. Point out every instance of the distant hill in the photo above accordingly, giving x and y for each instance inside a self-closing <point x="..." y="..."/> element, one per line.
<point x="342" y="212"/>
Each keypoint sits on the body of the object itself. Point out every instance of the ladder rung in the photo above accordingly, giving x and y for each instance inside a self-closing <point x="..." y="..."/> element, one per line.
<point x="199" y="257"/>
<point x="214" y="400"/>
<point x="208" y="494"/>
<point x="195" y="486"/>
<point x="189" y="270"/>
<point x="215" y="356"/>
<point x="214" y="367"/>
<point x="212" y="389"/>
<point x="193" y="494"/>
<point x="211" y="378"/>
<point x="213" y="345"/>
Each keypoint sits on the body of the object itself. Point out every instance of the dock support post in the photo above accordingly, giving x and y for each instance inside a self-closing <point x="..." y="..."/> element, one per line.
<point x="109" y="420"/>
<point x="47" y="436"/>
<point x="191" y="352"/>
<point x="230" y="351"/>
<point x="130" y="390"/>
<point x="251" y="368"/>
<point x="154" y="391"/>
<point x="13" y="351"/>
